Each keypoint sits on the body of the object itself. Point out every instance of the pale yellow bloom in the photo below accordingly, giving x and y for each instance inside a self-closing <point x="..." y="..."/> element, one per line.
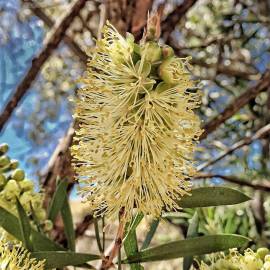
<point x="137" y="133"/>
<point x="15" y="257"/>
<point x="250" y="260"/>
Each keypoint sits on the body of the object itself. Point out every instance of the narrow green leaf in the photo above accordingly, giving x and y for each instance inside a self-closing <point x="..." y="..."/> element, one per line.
<point x="25" y="226"/>
<point x="10" y="223"/>
<point x="68" y="223"/>
<point x="188" y="247"/>
<point x="192" y="232"/>
<point x="57" y="200"/>
<point x="213" y="196"/>
<point x="130" y="241"/>
<point x="150" y="234"/>
<point x="59" y="259"/>
<point x="42" y="243"/>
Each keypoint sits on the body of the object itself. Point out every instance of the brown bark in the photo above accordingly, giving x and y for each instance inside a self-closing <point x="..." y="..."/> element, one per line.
<point x="74" y="47"/>
<point x="174" y="17"/>
<point x="51" y="43"/>
<point x="237" y="104"/>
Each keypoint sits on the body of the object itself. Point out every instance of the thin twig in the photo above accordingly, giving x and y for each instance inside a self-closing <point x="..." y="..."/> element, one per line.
<point x="245" y="141"/>
<point x="74" y="47"/>
<point x="107" y="262"/>
<point x="51" y="43"/>
<point x="234" y="180"/>
<point x="237" y="104"/>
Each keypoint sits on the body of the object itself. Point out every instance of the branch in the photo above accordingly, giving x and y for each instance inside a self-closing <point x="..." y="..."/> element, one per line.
<point x="74" y="47"/>
<point x="245" y="141"/>
<point x="237" y="104"/>
<point x="174" y="17"/>
<point x="234" y="180"/>
<point x="59" y="165"/>
<point x="51" y="43"/>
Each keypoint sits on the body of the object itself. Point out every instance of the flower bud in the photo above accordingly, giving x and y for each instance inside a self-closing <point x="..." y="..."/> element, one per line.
<point x="3" y="180"/>
<point x="14" y="164"/>
<point x="172" y="70"/>
<point x="18" y="175"/>
<point x="143" y="69"/>
<point x="262" y="252"/>
<point x="41" y="214"/>
<point x="167" y="51"/>
<point x="152" y="50"/>
<point x="267" y="258"/>
<point x="26" y="185"/>
<point x="11" y="189"/>
<point x="252" y="263"/>
<point x="3" y="148"/>
<point x="48" y="225"/>
<point x="4" y="161"/>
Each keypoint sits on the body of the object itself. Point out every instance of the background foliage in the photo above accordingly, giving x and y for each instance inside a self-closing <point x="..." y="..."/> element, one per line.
<point x="230" y="47"/>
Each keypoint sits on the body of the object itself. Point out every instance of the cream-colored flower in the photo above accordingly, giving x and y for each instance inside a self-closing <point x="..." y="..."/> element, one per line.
<point x="15" y="257"/>
<point x="137" y="132"/>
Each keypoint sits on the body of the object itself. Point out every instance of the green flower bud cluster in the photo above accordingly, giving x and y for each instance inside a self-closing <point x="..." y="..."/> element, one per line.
<point x="13" y="184"/>
<point x="250" y="260"/>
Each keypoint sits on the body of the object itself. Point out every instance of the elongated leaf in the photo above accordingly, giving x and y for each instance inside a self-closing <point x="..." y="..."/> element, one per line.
<point x="10" y="223"/>
<point x="193" y="246"/>
<point x="68" y="223"/>
<point x="192" y="232"/>
<point x="150" y="234"/>
<point x="25" y="226"/>
<point x="42" y="243"/>
<point x="213" y="196"/>
<point x="59" y="259"/>
<point x="130" y="241"/>
<point x="57" y="200"/>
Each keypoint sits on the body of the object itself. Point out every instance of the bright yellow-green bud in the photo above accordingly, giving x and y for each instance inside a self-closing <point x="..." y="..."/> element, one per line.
<point x="3" y="148"/>
<point x="48" y="225"/>
<point x="14" y="164"/>
<point x="153" y="51"/>
<point x="26" y="185"/>
<point x="41" y="214"/>
<point x="173" y="71"/>
<point x="252" y="263"/>
<point x="11" y="189"/>
<point x="267" y="258"/>
<point x="262" y="252"/>
<point x="167" y="51"/>
<point x="143" y="68"/>
<point x="4" y="161"/>
<point x="18" y="175"/>
<point x="3" y="180"/>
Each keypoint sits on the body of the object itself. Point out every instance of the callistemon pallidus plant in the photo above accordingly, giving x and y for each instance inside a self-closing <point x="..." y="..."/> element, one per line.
<point x="15" y="257"/>
<point x="137" y="129"/>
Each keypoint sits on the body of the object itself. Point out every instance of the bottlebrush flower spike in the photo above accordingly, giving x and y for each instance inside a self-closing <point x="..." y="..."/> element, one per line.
<point x="14" y="257"/>
<point x="137" y="131"/>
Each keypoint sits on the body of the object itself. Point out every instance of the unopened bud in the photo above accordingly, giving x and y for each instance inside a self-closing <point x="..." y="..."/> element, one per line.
<point x="48" y="225"/>
<point x="262" y="252"/>
<point x="26" y="185"/>
<point x="14" y="164"/>
<point x="18" y="175"/>
<point x="3" y="148"/>
<point x="167" y="51"/>
<point x="3" y="180"/>
<point x="4" y="161"/>
<point x="11" y="189"/>
<point x="152" y="50"/>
